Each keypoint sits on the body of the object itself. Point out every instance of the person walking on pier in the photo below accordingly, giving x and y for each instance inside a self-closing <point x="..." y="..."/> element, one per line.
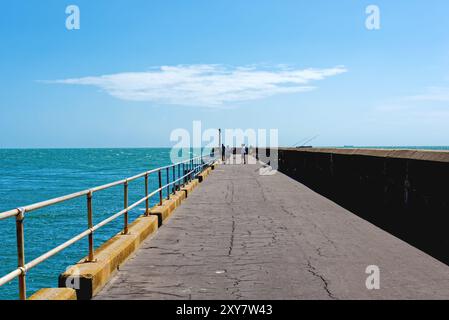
<point x="243" y="153"/>
<point x="223" y="150"/>
<point x="228" y="154"/>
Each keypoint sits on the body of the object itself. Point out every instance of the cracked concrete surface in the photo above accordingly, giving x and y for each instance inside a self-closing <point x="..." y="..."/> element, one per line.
<point x="245" y="236"/>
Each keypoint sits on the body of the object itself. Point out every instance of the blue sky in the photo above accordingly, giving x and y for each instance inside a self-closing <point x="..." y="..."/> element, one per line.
<point x="136" y="70"/>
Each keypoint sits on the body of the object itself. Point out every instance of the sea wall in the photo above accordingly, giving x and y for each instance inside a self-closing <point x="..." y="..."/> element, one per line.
<point x="405" y="192"/>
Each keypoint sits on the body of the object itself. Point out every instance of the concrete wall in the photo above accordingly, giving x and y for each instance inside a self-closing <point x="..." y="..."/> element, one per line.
<point x="403" y="192"/>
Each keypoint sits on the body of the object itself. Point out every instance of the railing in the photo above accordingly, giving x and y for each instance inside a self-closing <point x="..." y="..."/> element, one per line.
<point x="190" y="169"/>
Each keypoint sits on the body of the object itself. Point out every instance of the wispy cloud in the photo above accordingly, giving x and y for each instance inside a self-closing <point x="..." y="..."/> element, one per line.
<point x="437" y="94"/>
<point x="206" y="85"/>
<point x="428" y="107"/>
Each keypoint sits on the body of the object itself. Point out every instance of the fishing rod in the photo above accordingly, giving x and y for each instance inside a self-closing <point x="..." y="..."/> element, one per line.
<point x="313" y="138"/>
<point x="306" y="140"/>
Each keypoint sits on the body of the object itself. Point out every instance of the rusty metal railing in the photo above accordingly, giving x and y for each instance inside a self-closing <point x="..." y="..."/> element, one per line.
<point x="190" y="169"/>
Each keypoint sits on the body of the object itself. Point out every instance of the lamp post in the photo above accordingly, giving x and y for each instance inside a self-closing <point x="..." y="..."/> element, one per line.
<point x="219" y="144"/>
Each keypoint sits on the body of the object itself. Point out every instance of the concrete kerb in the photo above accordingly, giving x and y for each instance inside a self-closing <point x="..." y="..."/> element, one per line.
<point x="54" y="294"/>
<point x="91" y="277"/>
<point x="164" y="211"/>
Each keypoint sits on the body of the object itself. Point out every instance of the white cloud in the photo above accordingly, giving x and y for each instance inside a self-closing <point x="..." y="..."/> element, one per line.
<point x="205" y="85"/>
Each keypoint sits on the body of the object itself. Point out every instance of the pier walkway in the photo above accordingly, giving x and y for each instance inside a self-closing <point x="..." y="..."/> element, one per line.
<point x="241" y="235"/>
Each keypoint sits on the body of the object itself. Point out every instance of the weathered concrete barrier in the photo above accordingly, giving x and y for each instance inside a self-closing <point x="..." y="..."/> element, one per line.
<point x="92" y="276"/>
<point x="189" y="187"/>
<point x="404" y="192"/>
<point x="54" y="294"/>
<point x="164" y="211"/>
<point x="205" y="173"/>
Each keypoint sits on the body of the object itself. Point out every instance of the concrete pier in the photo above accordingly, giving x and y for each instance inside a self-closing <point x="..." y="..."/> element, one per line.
<point x="245" y="236"/>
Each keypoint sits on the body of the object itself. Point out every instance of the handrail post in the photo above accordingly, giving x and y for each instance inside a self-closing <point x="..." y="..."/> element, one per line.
<point x="125" y="205"/>
<point x="160" y="186"/>
<point x="167" y="173"/>
<point x="183" y="174"/>
<point x="174" y="179"/>
<point x="147" y="204"/>
<point x="21" y="253"/>
<point x="90" y="225"/>
<point x="188" y="171"/>
<point x="179" y="176"/>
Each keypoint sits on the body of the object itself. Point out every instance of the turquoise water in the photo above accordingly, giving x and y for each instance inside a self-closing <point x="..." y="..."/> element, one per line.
<point x="33" y="175"/>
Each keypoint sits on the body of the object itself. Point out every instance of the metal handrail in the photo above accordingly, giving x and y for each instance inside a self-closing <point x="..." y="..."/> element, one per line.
<point x="194" y="167"/>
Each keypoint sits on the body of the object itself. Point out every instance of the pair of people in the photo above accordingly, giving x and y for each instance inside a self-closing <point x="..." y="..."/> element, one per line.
<point x="227" y="151"/>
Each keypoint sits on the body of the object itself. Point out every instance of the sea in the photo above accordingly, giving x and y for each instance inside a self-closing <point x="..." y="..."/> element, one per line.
<point x="32" y="175"/>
